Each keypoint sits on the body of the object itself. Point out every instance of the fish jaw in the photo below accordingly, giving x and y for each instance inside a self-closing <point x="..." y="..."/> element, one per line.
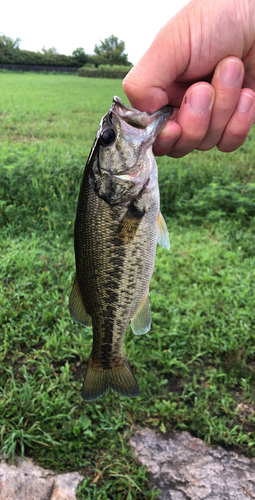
<point x="136" y="118"/>
<point x="142" y="119"/>
<point x="151" y="123"/>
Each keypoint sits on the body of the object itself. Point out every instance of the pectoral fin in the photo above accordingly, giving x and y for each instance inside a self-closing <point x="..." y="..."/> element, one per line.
<point x="76" y="306"/>
<point x="128" y="225"/>
<point x="141" y="322"/>
<point x="163" y="236"/>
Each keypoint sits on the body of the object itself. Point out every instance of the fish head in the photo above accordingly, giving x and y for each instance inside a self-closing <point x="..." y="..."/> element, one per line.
<point x="121" y="161"/>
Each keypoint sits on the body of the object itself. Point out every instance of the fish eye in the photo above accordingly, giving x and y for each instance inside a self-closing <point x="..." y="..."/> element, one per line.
<point x="108" y="136"/>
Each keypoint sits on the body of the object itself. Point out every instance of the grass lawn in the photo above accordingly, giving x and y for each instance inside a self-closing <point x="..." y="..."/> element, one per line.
<point x="195" y="368"/>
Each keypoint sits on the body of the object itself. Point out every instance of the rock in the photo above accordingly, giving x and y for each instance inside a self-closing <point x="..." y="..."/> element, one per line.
<point x="184" y="468"/>
<point x="27" y="481"/>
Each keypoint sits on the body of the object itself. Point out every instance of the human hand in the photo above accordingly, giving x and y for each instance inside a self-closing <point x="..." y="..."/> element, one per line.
<point x="203" y="63"/>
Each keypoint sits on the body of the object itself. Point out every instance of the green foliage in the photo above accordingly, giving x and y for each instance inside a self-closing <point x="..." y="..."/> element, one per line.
<point x="105" y="71"/>
<point x="80" y="56"/>
<point x="195" y="367"/>
<point x="110" y="51"/>
<point x="9" y="43"/>
<point x="52" y="51"/>
<point x="18" y="56"/>
<point x="10" y="53"/>
<point x="9" y="48"/>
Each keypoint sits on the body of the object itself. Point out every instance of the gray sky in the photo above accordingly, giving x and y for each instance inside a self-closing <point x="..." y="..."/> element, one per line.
<point x="77" y="23"/>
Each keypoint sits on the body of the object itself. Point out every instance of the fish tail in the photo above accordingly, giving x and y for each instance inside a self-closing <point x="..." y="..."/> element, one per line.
<point x="120" y="379"/>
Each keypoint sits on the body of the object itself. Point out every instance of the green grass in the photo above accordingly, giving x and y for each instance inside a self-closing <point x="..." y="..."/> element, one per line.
<point x="59" y="107"/>
<point x="195" y="368"/>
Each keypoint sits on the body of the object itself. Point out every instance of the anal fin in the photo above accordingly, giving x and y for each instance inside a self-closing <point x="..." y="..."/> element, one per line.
<point x="141" y="322"/>
<point x="76" y="306"/>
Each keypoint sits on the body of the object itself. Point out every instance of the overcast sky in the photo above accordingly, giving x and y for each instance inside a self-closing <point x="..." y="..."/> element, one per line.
<point x="83" y="23"/>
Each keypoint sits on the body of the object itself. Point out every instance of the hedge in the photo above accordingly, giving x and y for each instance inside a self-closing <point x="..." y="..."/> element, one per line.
<point x="105" y="71"/>
<point x="17" y="56"/>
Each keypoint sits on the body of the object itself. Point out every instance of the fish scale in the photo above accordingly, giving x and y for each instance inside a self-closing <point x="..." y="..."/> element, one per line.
<point x="116" y="232"/>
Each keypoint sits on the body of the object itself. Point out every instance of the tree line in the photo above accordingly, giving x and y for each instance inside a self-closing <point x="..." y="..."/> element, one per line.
<point x="111" y="51"/>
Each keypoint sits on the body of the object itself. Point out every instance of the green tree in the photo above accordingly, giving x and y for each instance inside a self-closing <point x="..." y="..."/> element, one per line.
<point x="110" y="51"/>
<point x="51" y="52"/>
<point x="9" y="49"/>
<point x="8" y="42"/>
<point x="80" y="56"/>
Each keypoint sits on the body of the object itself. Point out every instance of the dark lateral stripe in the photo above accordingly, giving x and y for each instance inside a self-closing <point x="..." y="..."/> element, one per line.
<point x="128" y="225"/>
<point x="110" y="326"/>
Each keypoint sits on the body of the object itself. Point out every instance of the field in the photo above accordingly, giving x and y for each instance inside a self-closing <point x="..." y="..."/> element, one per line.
<point x="195" y="368"/>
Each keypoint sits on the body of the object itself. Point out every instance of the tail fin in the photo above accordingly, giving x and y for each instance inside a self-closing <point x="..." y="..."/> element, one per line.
<point x="120" y="379"/>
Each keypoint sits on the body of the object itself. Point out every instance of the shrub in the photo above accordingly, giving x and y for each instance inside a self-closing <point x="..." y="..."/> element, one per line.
<point x="105" y="71"/>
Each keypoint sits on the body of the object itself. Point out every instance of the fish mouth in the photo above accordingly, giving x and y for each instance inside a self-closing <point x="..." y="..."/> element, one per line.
<point x="158" y="119"/>
<point x="132" y="116"/>
<point x="153" y="122"/>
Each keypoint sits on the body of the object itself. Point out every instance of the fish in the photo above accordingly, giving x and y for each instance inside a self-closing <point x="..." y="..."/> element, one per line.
<point x="118" y="225"/>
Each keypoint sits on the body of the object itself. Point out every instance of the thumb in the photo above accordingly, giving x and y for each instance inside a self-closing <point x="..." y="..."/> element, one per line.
<point x="148" y="83"/>
<point x="188" y="48"/>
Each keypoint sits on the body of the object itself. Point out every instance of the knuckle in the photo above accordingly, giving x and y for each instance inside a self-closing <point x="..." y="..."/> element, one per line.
<point x="228" y="144"/>
<point x="236" y="136"/>
<point x="209" y="142"/>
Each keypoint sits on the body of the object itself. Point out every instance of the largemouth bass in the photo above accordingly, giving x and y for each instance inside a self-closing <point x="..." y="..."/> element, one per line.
<point x="117" y="227"/>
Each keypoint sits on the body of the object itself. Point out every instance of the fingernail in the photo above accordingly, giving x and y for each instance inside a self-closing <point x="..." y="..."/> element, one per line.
<point x="200" y="98"/>
<point x="245" y="103"/>
<point x="231" y="73"/>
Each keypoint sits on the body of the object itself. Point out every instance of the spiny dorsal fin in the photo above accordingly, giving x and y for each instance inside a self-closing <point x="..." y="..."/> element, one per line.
<point x="163" y="236"/>
<point x="141" y="322"/>
<point x="76" y="306"/>
<point x="128" y="225"/>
